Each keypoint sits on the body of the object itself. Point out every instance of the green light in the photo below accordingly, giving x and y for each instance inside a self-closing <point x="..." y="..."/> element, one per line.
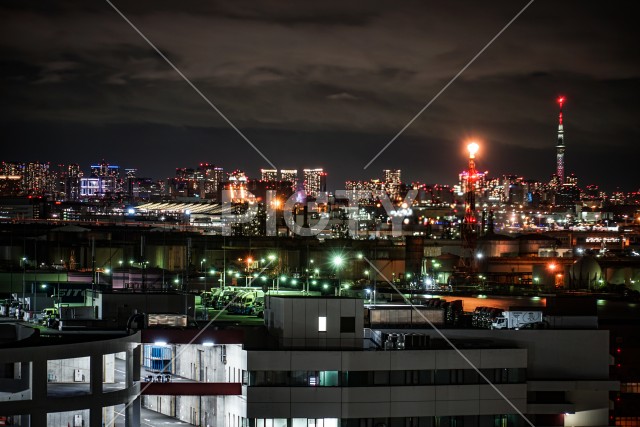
<point x="212" y="271"/>
<point x="263" y="278"/>
<point x="271" y="257"/>
<point x="314" y="282"/>
<point x="360" y="256"/>
<point x="325" y="286"/>
<point x="237" y="274"/>
<point x="294" y="282"/>
<point x="337" y="261"/>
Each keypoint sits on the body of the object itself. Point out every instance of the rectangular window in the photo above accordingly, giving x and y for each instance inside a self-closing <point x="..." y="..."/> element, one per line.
<point x="347" y="324"/>
<point x="381" y="378"/>
<point x="443" y="377"/>
<point x="322" y="324"/>
<point x="329" y="378"/>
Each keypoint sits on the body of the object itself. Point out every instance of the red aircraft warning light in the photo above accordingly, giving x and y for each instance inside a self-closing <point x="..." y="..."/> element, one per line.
<point x="561" y="100"/>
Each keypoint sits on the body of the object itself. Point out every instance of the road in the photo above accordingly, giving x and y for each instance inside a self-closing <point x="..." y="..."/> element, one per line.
<point x="149" y="418"/>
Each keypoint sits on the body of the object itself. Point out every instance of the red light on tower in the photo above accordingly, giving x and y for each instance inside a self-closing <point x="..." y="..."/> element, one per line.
<point x="561" y="100"/>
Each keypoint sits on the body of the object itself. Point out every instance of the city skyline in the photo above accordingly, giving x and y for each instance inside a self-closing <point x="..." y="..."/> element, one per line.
<point x="85" y="86"/>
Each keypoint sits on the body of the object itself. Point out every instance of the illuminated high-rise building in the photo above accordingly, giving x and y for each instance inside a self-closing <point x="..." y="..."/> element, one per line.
<point x="37" y="179"/>
<point x="109" y="176"/>
<point x="290" y="175"/>
<point x="209" y="178"/>
<point x="73" y="175"/>
<point x="269" y="175"/>
<point x="392" y="182"/>
<point x="131" y="182"/>
<point x="315" y="182"/>
<point x="560" y="148"/>
<point x="11" y="178"/>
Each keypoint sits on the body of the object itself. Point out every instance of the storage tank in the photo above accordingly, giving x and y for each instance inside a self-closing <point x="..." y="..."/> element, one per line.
<point x="530" y="244"/>
<point x="585" y="273"/>
<point x="497" y="245"/>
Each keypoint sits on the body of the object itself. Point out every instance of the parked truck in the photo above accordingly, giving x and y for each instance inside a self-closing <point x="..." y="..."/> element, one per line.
<point x="516" y="319"/>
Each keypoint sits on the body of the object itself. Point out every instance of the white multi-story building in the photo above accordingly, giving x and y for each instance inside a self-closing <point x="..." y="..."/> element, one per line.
<point x="313" y="364"/>
<point x="317" y="365"/>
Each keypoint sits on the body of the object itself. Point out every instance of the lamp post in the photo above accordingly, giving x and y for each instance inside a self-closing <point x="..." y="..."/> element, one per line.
<point x="338" y="261"/>
<point x="24" y="273"/>
<point x="213" y="274"/>
<point x="276" y="271"/>
<point x="203" y="273"/>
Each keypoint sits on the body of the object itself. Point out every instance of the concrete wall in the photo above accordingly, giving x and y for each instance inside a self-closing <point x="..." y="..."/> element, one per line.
<point x="383" y="401"/>
<point x="108" y="368"/>
<point x="295" y="321"/>
<point x="552" y="354"/>
<point x="57" y="419"/>
<point x="62" y="359"/>
<point x="63" y="370"/>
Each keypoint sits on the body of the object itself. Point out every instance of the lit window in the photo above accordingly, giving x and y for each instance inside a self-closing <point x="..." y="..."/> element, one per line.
<point x="322" y="324"/>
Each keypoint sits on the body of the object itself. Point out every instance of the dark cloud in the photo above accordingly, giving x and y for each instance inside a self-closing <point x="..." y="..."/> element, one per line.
<point x="323" y="84"/>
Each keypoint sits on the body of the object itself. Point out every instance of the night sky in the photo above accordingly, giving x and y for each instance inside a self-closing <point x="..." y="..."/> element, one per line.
<point x="324" y="84"/>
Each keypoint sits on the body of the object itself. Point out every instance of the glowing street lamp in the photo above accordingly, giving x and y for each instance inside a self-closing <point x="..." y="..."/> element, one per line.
<point x="337" y="262"/>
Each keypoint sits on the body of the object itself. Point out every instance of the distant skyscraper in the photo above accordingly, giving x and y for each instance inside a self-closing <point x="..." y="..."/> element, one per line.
<point x="131" y="182"/>
<point x="72" y="187"/>
<point x="290" y="175"/>
<point x="560" y="146"/>
<point x="209" y="178"/>
<point x="11" y="178"/>
<point x="315" y="182"/>
<point x="269" y="175"/>
<point x="393" y="180"/>
<point x="37" y="179"/>
<point x="109" y="176"/>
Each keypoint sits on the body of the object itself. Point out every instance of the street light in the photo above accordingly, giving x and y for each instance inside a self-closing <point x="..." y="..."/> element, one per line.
<point x="24" y="273"/>
<point x="337" y="262"/>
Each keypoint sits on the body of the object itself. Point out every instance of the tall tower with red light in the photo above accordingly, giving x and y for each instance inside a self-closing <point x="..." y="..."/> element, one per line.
<point x="560" y="145"/>
<point x="470" y="222"/>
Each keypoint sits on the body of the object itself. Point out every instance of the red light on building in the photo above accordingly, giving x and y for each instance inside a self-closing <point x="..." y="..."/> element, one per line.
<point x="561" y="100"/>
